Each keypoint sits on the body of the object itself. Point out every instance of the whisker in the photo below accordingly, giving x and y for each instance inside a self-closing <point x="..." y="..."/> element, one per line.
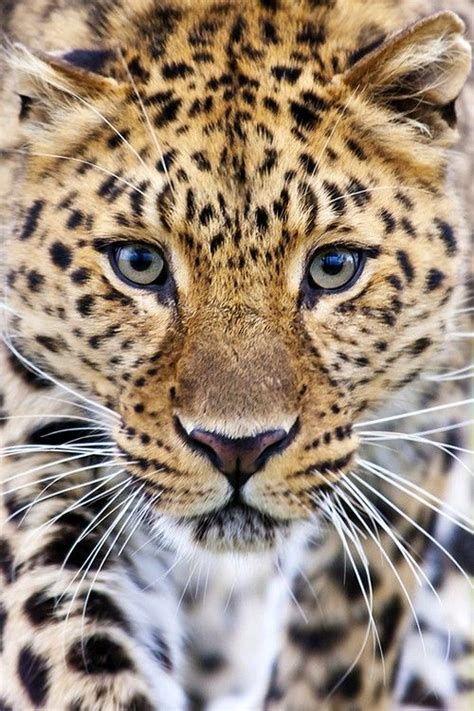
<point x="151" y="132"/>
<point x="416" y="525"/>
<point x="393" y="479"/>
<point x="435" y="408"/>
<point x="40" y="154"/>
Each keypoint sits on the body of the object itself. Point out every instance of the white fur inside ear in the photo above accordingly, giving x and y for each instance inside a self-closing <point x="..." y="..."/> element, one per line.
<point x="429" y="60"/>
<point x="449" y="77"/>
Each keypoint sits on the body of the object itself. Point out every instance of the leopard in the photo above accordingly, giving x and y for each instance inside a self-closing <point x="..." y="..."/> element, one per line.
<point x="235" y="263"/>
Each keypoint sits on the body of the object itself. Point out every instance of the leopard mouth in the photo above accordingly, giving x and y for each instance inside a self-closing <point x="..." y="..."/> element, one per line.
<point x="238" y="526"/>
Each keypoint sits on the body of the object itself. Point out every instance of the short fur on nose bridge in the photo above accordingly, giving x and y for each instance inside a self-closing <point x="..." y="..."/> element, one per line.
<point x="239" y="458"/>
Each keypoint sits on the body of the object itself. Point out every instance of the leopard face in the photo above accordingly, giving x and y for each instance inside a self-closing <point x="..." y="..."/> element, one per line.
<point x="243" y="159"/>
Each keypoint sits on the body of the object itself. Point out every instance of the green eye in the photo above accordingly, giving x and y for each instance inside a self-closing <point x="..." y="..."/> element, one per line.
<point x="138" y="264"/>
<point x="334" y="268"/>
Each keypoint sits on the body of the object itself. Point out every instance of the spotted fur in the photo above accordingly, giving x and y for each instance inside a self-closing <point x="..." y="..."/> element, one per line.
<point x="239" y="137"/>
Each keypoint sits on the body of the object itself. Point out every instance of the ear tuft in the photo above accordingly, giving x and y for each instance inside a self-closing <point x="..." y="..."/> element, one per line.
<point x="418" y="72"/>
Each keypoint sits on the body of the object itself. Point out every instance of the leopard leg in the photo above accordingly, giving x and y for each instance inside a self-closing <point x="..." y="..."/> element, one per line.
<point x="85" y="626"/>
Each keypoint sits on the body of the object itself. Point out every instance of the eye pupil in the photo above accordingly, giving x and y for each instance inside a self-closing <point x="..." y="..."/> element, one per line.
<point x="139" y="258"/>
<point x="333" y="263"/>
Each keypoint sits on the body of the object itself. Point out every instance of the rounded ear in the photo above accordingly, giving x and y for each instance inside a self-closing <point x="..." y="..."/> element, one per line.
<point x="418" y="72"/>
<point x="48" y="83"/>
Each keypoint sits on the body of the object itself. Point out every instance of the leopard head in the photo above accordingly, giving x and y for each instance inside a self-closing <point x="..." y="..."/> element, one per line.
<point x="234" y="232"/>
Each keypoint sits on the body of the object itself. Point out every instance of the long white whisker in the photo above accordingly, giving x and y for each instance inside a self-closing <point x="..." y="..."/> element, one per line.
<point x="415" y="524"/>
<point x="436" y="408"/>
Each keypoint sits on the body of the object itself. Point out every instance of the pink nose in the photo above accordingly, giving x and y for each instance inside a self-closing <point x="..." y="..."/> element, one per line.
<point x="239" y="458"/>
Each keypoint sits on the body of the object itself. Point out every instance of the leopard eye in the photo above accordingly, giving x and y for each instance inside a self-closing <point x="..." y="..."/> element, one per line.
<point x="138" y="264"/>
<point x="334" y="268"/>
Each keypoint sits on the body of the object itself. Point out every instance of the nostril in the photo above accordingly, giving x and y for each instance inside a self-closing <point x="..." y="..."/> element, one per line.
<point x="238" y="458"/>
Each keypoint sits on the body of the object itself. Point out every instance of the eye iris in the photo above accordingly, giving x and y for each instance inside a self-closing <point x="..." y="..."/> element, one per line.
<point x="139" y="264"/>
<point x="333" y="268"/>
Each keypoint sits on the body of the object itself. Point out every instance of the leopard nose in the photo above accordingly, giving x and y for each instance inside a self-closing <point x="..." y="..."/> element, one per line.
<point x="239" y="458"/>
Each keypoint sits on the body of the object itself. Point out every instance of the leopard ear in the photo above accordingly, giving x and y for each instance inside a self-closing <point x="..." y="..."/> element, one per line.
<point x="50" y="83"/>
<point x="418" y="73"/>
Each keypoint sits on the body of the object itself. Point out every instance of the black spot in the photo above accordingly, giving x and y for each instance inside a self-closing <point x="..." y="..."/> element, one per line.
<point x="35" y="280"/>
<point x="338" y="203"/>
<point x="359" y="192"/>
<point x="269" y="32"/>
<point x="85" y="304"/>
<point x="136" y="70"/>
<point x="348" y="685"/>
<point x="406" y="265"/>
<point x="201" y="161"/>
<point x="216" y="242"/>
<point x="407" y="225"/>
<point x="317" y="640"/>
<point x="98" y="654"/>
<point x="64" y="549"/>
<point x="51" y="344"/>
<point x="446" y="233"/>
<point x="137" y="199"/>
<point x="269" y="162"/>
<point x="310" y="205"/>
<point x="33" y="672"/>
<point x="315" y="101"/>
<point x="27" y="375"/>
<point x="168" y="113"/>
<point x="206" y="214"/>
<point x="75" y="219"/>
<point x="176" y="70"/>
<point x="271" y="105"/>
<point x="389" y="220"/>
<point x="434" y="279"/>
<point x="111" y="188"/>
<point x="40" y="608"/>
<point x="304" y="117"/>
<point x="166" y="161"/>
<point x="101" y="608"/>
<point x="309" y="165"/>
<point x="32" y="219"/>
<point x="261" y="219"/>
<point x="388" y="622"/>
<point x="117" y="139"/>
<point x="311" y="34"/>
<point x="289" y="74"/>
<point x="60" y="255"/>
<point x="419" y="346"/>
<point x="190" y="205"/>
<point x="4" y="706"/>
<point x="356" y="149"/>
<point x="80" y="276"/>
